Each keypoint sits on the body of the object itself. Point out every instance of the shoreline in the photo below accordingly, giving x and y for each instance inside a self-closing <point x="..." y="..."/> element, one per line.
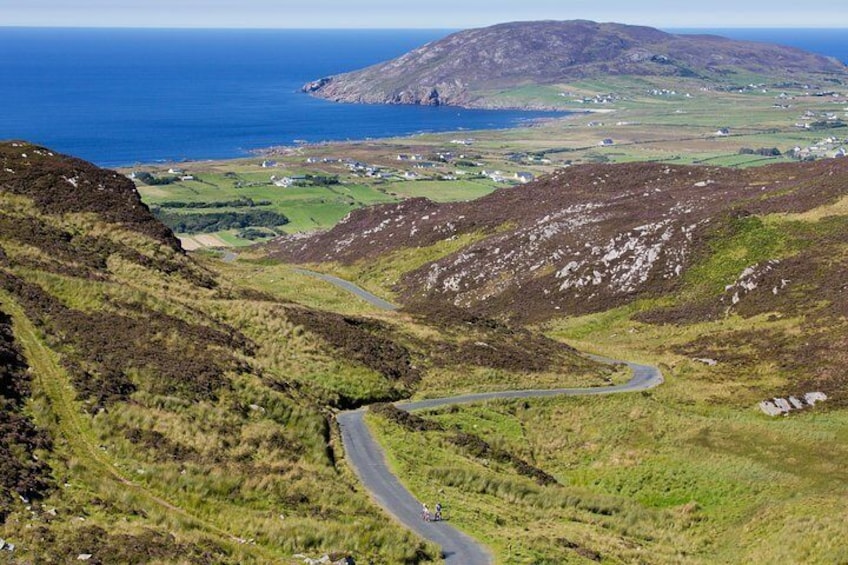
<point x="530" y="121"/>
<point x="265" y="151"/>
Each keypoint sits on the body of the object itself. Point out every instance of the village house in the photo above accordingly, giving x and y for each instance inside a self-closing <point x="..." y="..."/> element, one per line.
<point x="496" y="176"/>
<point x="286" y="182"/>
<point x="524" y="177"/>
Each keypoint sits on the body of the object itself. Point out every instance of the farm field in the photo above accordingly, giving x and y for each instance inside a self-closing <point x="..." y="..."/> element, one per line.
<point x="614" y="120"/>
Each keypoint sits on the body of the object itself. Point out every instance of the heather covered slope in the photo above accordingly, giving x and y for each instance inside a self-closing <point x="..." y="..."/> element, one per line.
<point x="583" y="239"/>
<point x="468" y="68"/>
<point x="732" y="282"/>
<point x="156" y="409"/>
<point x="701" y="243"/>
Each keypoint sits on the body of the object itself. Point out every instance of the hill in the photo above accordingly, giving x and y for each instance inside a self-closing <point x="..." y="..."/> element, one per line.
<point x="706" y="242"/>
<point x="471" y="68"/>
<point x="155" y="409"/>
<point x="731" y="281"/>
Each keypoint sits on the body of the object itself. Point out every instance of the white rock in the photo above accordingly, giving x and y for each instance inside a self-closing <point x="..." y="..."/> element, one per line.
<point x="769" y="408"/>
<point x="813" y="397"/>
<point x="782" y="404"/>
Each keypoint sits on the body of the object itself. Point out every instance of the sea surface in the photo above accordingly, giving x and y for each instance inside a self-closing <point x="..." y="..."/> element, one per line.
<point x="121" y="96"/>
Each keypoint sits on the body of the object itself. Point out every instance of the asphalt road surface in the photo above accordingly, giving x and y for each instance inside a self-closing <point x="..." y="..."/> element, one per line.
<point x="352" y="288"/>
<point x="369" y="461"/>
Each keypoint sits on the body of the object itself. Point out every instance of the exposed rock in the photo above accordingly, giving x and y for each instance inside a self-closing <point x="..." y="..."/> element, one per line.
<point x="779" y="406"/>
<point x="813" y="397"/>
<point x="707" y="361"/>
<point x="582" y="239"/>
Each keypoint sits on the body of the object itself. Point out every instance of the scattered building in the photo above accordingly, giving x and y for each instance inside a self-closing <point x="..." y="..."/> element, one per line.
<point x="524" y="177"/>
<point x="286" y="182"/>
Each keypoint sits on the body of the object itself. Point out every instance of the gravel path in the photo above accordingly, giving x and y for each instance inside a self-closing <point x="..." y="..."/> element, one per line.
<point x="369" y="462"/>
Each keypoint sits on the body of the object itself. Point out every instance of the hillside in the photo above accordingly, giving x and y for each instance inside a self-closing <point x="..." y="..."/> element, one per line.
<point x="154" y="409"/>
<point x="471" y="68"/>
<point x="731" y="281"/>
<point x="705" y="242"/>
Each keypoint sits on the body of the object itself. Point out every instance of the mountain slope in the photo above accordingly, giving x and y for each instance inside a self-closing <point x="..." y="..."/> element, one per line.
<point x="463" y="69"/>
<point x="155" y="409"/>
<point x="707" y="242"/>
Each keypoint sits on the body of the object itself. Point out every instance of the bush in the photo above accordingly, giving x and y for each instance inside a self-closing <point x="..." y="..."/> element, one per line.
<point x="243" y="202"/>
<point x="219" y="221"/>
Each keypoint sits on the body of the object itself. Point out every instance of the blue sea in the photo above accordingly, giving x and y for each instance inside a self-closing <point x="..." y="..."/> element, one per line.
<point x="121" y="96"/>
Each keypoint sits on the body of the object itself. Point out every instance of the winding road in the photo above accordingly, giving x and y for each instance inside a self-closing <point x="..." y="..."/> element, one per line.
<point x="369" y="462"/>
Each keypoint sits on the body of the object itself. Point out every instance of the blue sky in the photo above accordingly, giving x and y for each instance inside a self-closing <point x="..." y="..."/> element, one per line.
<point x="440" y="14"/>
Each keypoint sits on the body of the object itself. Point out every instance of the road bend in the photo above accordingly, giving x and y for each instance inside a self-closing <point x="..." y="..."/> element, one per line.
<point x="368" y="459"/>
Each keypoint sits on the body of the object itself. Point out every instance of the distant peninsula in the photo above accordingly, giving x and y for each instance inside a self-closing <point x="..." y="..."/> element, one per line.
<point x="483" y="68"/>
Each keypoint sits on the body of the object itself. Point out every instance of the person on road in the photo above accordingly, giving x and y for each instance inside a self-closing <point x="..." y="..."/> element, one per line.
<point x="438" y="515"/>
<point x="425" y="512"/>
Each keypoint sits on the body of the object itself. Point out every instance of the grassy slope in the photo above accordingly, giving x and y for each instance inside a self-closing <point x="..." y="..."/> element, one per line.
<point x="230" y="457"/>
<point x="690" y="472"/>
<point x="166" y="476"/>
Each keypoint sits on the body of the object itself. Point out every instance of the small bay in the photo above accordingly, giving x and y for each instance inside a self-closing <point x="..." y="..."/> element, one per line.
<point x="121" y="96"/>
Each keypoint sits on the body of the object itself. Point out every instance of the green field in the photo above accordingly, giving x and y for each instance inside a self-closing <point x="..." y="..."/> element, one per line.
<point x="679" y="128"/>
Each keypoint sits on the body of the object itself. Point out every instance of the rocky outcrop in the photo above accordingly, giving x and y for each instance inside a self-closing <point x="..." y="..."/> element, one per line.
<point x="584" y="239"/>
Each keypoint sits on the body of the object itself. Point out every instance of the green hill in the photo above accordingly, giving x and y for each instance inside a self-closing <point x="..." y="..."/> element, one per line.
<point x="733" y="281"/>
<point x="170" y="409"/>
<point x="532" y="64"/>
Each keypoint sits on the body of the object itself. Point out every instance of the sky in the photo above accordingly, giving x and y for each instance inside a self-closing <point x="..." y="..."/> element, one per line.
<point x="437" y="14"/>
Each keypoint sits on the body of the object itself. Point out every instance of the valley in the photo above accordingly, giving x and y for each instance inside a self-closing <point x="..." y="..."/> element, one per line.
<point x="277" y="359"/>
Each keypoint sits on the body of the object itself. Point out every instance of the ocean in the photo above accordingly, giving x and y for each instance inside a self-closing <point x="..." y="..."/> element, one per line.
<point x="122" y="96"/>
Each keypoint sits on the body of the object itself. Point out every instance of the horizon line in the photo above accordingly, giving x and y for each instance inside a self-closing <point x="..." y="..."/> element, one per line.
<point x="383" y="28"/>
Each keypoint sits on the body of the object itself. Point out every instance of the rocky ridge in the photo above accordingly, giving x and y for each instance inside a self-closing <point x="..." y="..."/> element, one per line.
<point x="584" y="239"/>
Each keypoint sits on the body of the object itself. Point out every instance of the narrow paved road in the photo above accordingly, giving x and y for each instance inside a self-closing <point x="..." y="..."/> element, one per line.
<point x="351" y="288"/>
<point x="369" y="461"/>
